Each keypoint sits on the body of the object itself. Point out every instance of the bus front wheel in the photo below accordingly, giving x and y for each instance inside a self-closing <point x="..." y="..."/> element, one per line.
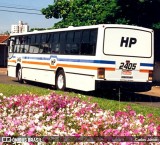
<point x="60" y="80"/>
<point x="19" y="75"/>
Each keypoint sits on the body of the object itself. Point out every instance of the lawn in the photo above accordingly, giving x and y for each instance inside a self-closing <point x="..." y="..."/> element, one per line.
<point x="104" y="103"/>
<point x="35" y="111"/>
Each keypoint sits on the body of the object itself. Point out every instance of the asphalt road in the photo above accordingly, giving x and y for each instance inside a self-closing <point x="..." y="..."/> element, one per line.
<point x="151" y="98"/>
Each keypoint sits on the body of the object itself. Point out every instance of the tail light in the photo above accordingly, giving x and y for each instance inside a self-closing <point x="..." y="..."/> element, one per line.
<point x="101" y="73"/>
<point x="150" y="75"/>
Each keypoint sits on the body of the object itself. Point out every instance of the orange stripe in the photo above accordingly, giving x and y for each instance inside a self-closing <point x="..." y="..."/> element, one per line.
<point x="12" y="61"/>
<point x="144" y="71"/>
<point x="67" y="65"/>
<point x="110" y="69"/>
<point x="38" y="63"/>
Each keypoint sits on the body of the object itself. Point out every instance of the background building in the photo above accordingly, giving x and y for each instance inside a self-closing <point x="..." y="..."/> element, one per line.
<point x="3" y="50"/>
<point x="20" y="27"/>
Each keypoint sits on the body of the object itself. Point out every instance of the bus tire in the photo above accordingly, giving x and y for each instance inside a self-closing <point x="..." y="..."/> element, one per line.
<point x="60" y="80"/>
<point x="19" y="75"/>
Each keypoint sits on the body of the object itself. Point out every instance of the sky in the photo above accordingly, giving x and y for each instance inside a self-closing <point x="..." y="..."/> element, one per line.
<point x="33" y="20"/>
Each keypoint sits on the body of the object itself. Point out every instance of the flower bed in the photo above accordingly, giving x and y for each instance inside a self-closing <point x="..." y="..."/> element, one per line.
<point x="57" y="115"/>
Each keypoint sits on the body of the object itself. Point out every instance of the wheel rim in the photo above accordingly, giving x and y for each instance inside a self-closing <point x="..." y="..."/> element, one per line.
<point x="60" y="81"/>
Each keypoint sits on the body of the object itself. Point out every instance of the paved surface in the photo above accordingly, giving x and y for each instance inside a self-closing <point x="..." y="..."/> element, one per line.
<point x="3" y="70"/>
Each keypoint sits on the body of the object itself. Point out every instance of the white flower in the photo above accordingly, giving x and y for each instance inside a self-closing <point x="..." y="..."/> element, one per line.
<point x="138" y="122"/>
<point x="48" y="128"/>
<point x="155" y="133"/>
<point x="146" y="126"/>
<point x="57" y="131"/>
<point x="119" y="128"/>
<point x="73" y="130"/>
<point x="1" y="94"/>
<point x="21" y="127"/>
<point x="36" y="120"/>
<point x="38" y="128"/>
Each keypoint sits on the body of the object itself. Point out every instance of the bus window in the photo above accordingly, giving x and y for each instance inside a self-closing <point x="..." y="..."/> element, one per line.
<point x="55" y="44"/>
<point x="17" y="48"/>
<point x="34" y="49"/>
<point x="93" y="36"/>
<point x="55" y="48"/>
<point x="32" y="39"/>
<point x="88" y="44"/>
<point x="77" y="37"/>
<point x="62" y="42"/>
<point x="12" y="44"/>
<point x="72" y="47"/>
<point x="44" y="38"/>
<point x="93" y="41"/>
<point x="38" y="38"/>
<point x="70" y="36"/>
<point x="56" y="38"/>
<point x="69" y="42"/>
<point x="46" y="48"/>
<point x="24" y="49"/>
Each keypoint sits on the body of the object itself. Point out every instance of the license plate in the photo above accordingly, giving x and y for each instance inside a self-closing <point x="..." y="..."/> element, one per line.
<point x="126" y="72"/>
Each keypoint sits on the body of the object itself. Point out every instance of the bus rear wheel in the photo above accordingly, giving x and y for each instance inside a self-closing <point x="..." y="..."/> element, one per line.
<point x="60" y="80"/>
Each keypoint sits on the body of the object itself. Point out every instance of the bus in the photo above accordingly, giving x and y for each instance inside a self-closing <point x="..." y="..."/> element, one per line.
<point x="86" y="58"/>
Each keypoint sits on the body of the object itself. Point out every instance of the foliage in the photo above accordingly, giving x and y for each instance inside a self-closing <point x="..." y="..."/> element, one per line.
<point x="81" y="12"/>
<point x="87" y="12"/>
<point x="37" y="29"/>
<point x="57" y="115"/>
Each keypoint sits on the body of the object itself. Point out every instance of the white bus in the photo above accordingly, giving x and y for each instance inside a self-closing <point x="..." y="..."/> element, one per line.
<point x="84" y="58"/>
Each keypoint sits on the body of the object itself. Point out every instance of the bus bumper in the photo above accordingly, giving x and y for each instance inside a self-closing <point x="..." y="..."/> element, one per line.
<point x="130" y="86"/>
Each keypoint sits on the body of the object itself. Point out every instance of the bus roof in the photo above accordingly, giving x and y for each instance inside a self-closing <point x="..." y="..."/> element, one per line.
<point x="83" y="27"/>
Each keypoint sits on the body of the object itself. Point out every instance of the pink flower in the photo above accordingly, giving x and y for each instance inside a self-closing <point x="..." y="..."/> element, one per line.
<point x="149" y="115"/>
<point x="31" y="131"/>
<point x="9" y="133"/>
<point x="132" y="113"/>
<point x="158" y="129"/>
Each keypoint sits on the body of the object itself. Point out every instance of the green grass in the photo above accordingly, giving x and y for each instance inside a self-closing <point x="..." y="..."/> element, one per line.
<point x="10" y="90"/>
<point x="104" y="103"/>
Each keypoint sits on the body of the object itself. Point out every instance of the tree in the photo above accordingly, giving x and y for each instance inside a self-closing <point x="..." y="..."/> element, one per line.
<point x="87" y="12"/>
<point x="140" y="12"/>
<point x="81" y="12"/>
<point x="36" y="29"/>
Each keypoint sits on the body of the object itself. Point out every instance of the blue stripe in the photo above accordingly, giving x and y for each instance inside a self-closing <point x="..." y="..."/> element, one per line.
<point x="146" y="64"/>
<point x="71" y="60"/>
<point x="87" y="61"/>
<point x="36" y="58"/>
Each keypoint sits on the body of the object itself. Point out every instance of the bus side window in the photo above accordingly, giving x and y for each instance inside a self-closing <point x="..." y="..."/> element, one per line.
<point x="45" y="43"/>
<point x="69" y="42"/>
<point x="76" y="42"/>
<point x="26" y="47"/>
<point x="11" y="44"/>
<point x="55" y="44"/>
<point x="85" y="43"/>
<point x="62" y="42"/>
<point x="46" y="48"/>
<point x="17" y="48"/>
<point x="89" y="40"/>
<point x="34" y="46"/>
<point x="93" y="41"/>
<point x="31" y="49"/>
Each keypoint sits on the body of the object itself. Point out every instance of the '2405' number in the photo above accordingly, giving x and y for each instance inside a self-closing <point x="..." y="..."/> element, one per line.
<point x="128" y="66"/>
